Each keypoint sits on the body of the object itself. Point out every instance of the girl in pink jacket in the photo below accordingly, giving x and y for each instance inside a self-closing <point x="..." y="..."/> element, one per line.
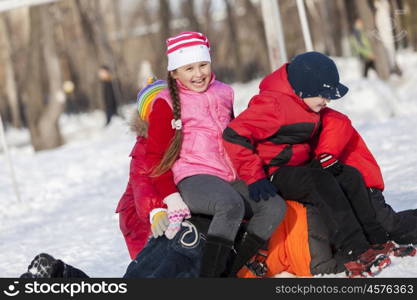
<point x="188" y="165"/>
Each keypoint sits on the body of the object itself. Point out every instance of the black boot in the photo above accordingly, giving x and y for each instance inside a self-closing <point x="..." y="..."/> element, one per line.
<point x="43" y="266"/>
<point x="246" y="248"/>
<point x="216" y="252"/>
<point x="46" y="266"/>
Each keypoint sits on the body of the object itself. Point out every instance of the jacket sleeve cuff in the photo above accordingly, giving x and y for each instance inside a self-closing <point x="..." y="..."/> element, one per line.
<point x="327" y="160"/>
<point x="172" y="198"/>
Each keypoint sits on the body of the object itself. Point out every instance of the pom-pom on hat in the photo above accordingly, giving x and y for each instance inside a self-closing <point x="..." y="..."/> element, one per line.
<point x="313" y="74"/>
<point x="187" y="48"/>
<point x="147" y="94"/>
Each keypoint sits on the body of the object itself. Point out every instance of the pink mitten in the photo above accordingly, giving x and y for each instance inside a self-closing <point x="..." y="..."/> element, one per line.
<point x="177" y="212"/>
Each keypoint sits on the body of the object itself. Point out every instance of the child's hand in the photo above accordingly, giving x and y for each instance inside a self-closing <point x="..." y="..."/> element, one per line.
<point x="159" y="221"/>
<point x="177" y="212"/>
<point x="262" y="188"/>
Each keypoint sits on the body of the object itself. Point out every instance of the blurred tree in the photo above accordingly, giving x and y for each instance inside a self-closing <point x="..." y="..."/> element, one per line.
<point x="255" y="14"/>
<point x="85" y="52"/>
<point x="367" y="15"/>
<point x="234" y="43"/>
<point x="75" y="60"/>
<point x="398" y="19"/>
<point x="10" y="77"/>
<point x="207" y="17"/>
<point x="94" y="28"/>
<point x="329" y="25"/>
<point x="293" y="34"/>
<point x="44" y="98"/>
<point x="112" y="18"/>
<point x="341" y="34"/>
<point x="385" y="32"/>
<point x="188" y="8"/>
<point x="164" y="19"/>
<point x="410" y="16"/>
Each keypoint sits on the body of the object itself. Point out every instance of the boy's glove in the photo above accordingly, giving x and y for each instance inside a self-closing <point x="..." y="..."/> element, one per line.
<point x="177" y="212"/>
<point x="159" y="221"/>
<point x="330" y="164"/>
<point x="262" y="188"/>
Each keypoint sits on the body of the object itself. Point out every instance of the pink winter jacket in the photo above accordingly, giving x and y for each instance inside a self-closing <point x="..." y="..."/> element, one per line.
<point x="204" y="116"/>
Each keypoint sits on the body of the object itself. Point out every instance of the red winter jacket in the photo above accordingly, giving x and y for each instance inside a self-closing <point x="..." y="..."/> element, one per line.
<point x="275" y="130"/>
<point x="340" y="139"/>
<point x="138" y="200"/>
<point x="160" y="134"/>
<point x="144" y="193"/>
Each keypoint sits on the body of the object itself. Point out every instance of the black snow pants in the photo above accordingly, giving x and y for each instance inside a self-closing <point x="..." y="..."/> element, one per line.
<point x="401" y="226"/>
<point x="316" y="187"/>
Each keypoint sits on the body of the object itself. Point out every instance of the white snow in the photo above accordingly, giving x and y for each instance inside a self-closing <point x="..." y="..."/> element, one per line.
<point x="69" y="194"/>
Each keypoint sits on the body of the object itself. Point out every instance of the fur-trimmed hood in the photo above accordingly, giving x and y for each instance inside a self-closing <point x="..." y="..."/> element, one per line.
<point x="137" y="125"/>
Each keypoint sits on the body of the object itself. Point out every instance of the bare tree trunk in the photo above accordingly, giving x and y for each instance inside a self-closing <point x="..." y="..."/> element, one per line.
<point x="382" y="63"/>
<point x="106" y="51"/>
<point x="254" y="12"/>
<point x="33" y="97"/>
<point x="207" y="17"/>
<point x="234" y="41"/>
<point x="344" y="28"/>
<point x="10" y="78"/>
<point x="75" y="58"/>
<point x="48" y="123"/>
<point x="328" y="25"/>
<point x="43" y="121"/>
<point x="95" y="34"/>
<point x="411" y="22"/>
<point x="118" y="49"/>
<point x="316" y="29"/>
<point x="189" y="12"/>
<point x="398" y="23"/>
<point x="384" y="25"/>
<point x="165" y="17"/>
<point x="89" y="55"/>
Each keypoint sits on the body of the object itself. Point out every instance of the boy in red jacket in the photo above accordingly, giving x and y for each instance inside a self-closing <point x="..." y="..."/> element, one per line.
<point x="270" y="146"/>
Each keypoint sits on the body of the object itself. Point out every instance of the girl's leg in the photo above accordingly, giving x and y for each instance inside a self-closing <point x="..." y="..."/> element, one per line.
<point x="210" y="195"/>
<point x="264" y="216"/>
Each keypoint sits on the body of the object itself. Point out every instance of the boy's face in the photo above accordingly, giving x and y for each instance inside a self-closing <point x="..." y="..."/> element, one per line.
<point x="316" y="104"/>
<point x="195" y="76"/>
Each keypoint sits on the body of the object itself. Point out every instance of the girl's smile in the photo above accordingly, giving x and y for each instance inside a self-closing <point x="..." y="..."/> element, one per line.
<point x="196" y="76"/>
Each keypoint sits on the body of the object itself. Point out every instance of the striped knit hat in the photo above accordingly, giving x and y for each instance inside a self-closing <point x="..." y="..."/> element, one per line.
<point x="187" y="48"/>
<point x="147" y="94"/>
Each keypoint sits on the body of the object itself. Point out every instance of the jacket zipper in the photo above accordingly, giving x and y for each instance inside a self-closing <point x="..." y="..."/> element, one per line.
<point x="226" y="159"/>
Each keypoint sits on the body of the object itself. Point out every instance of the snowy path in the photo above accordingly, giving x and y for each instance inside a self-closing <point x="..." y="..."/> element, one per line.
<point x="69" y="197"/>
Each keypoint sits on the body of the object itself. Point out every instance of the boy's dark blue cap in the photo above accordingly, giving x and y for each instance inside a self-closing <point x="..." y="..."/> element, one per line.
<point x="313" y="74"/>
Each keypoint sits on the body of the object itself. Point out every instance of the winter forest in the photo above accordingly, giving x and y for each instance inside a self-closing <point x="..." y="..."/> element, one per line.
<point x="64" y="154"/>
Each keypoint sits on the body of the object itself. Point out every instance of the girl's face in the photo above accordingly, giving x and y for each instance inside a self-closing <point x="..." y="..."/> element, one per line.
<point x="316" y="104"/>
<point x="196" y="76"/>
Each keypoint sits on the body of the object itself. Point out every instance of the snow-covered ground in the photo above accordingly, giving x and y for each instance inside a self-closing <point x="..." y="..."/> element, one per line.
<point x="68" y="195"/>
